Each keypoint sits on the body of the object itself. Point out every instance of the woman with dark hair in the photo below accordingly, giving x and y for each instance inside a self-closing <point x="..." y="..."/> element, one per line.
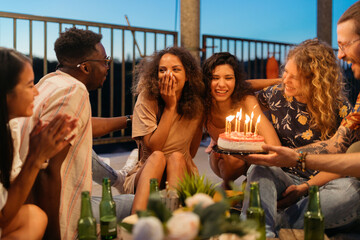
<point x="17" y="92"/>
<point x="227" y="93"/>
<point x="166" y="121"/>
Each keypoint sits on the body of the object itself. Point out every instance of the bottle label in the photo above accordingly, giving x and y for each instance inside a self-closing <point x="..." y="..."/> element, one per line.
<point x="108" y="226"/>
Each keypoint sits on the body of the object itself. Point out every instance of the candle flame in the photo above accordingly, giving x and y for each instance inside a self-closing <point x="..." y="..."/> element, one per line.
<point x="252" y="115"/>
<point x="247" y="118"/>
<point x="230" y="118"/>
<point x="258" y="119"/>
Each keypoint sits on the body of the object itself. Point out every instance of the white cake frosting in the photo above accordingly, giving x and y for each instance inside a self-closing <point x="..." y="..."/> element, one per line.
<point x="239" y="142"/>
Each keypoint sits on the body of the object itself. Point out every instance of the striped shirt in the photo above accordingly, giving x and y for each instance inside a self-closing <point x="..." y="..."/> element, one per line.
<point x="61" y="93"/>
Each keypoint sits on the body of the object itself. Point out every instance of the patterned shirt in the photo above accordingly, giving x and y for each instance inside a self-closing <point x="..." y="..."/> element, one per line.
<point x="291" y="121"/>
<point x="61" y="93"/>
<point x="352" y="120"/>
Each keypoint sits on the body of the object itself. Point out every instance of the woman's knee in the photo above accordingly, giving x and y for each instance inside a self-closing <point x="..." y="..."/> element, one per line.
<point x="29" y="223"/>
<point x="176" y="159"/>
<point x="156" y="159"/>
<point x="37" y="216"/>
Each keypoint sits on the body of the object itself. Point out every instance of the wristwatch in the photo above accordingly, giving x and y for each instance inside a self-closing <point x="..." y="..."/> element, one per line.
<point x="128" y="121"/>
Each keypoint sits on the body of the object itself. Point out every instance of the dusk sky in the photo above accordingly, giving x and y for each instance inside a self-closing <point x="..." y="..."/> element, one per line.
<point x="290" y="21"/>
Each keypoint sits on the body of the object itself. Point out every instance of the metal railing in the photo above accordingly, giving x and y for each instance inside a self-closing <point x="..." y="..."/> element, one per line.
<point x="252" y="54"/>
<point x="35" y="35"/>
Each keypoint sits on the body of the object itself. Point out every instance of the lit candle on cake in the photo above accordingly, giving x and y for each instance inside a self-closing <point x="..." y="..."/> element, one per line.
<point x="240" y="119"/>
<point x="256" y="125"/>
<point x="237" y="122"/>
<point x="228" y="123"/>
<point x="247" y="120"/>
<point x="251" y="120"/>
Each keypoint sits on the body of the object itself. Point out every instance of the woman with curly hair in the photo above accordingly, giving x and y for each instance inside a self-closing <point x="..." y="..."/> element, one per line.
<point x="312" y="78"/>
<point x="167" y="121"/>
<point x="227" y="93"/>
<point x="307" y="107"/>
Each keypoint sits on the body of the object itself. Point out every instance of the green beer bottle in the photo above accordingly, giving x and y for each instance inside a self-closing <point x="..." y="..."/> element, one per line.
<point x="154" y="186"/>
<point x="313" y="218"/>
<point x="108" y="223"/>
<point x="255" y="211"/>
<point x="86" y="223"/>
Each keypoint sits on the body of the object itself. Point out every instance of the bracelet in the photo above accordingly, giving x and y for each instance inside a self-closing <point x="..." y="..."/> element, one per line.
<point x="307" y="184"/>
<point x="307" y="193"/>
<point x="301" y="161"/>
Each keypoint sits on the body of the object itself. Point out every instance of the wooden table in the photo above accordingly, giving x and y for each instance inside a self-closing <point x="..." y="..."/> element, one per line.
<point x="293" y="234"/>
<point x="284" y="234"/>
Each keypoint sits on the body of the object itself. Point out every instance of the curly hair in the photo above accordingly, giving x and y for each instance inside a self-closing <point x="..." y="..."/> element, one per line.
<point x="242" y="88"/>
<point x="147" y="81"/>
<point x="75" y="45"/>
<point x="352" y="13"/>
<point x="12" y="64"/>
<point x="321" y="80"/>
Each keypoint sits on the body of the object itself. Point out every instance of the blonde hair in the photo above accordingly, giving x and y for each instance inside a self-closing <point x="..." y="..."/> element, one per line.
<point x="321" y="79"/>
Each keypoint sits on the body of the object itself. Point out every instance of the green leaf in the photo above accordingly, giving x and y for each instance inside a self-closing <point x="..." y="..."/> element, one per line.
<point x="192" y="184"/>
<point x="240" y="228"/>
<point x="128" y="227"/>
<point x="144" y="213"/>
<point x="211" y="218"/>
<point x="212" y="212"/>
<point x="158" y="208"/>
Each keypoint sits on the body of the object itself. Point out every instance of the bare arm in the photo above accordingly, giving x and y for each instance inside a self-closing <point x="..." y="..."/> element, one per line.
<point x="258" y="84"/>
<point x="322" y="178"/>
<point x="195" y="143"/>
<point x="103" y="126"/>
<point x="46" y="192"/>
<point x="45" y="142"/>
<point x="20" y="188"/>
<point x="156" y="140"/>
<point x="266" y="129"/>
<point x="294" y="192"/>
<point x="345" y="164"/>
<point x="339" y="143"/>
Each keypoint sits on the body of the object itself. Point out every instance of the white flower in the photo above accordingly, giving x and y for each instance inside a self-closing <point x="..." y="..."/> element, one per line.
<point x="149" y="228"/>
<point x="199" y="198"/>
<point x="184" y="226"/>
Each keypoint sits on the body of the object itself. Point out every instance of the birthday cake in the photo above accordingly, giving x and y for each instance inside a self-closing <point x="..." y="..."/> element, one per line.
<point x="240" y="142"/>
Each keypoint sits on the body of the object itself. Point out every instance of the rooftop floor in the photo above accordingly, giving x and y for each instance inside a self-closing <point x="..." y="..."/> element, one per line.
<point x="118" y="154"/>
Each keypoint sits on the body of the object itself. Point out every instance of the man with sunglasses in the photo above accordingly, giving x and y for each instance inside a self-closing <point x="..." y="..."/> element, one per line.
<point x="83" y="66"/>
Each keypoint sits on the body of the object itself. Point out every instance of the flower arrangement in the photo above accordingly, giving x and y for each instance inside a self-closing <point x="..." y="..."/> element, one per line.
<point x="193" y="184"/>
<point x="200" y="217"/>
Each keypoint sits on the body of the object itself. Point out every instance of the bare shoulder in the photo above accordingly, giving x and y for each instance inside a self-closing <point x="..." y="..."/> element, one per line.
<point x="249" y="103"/>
